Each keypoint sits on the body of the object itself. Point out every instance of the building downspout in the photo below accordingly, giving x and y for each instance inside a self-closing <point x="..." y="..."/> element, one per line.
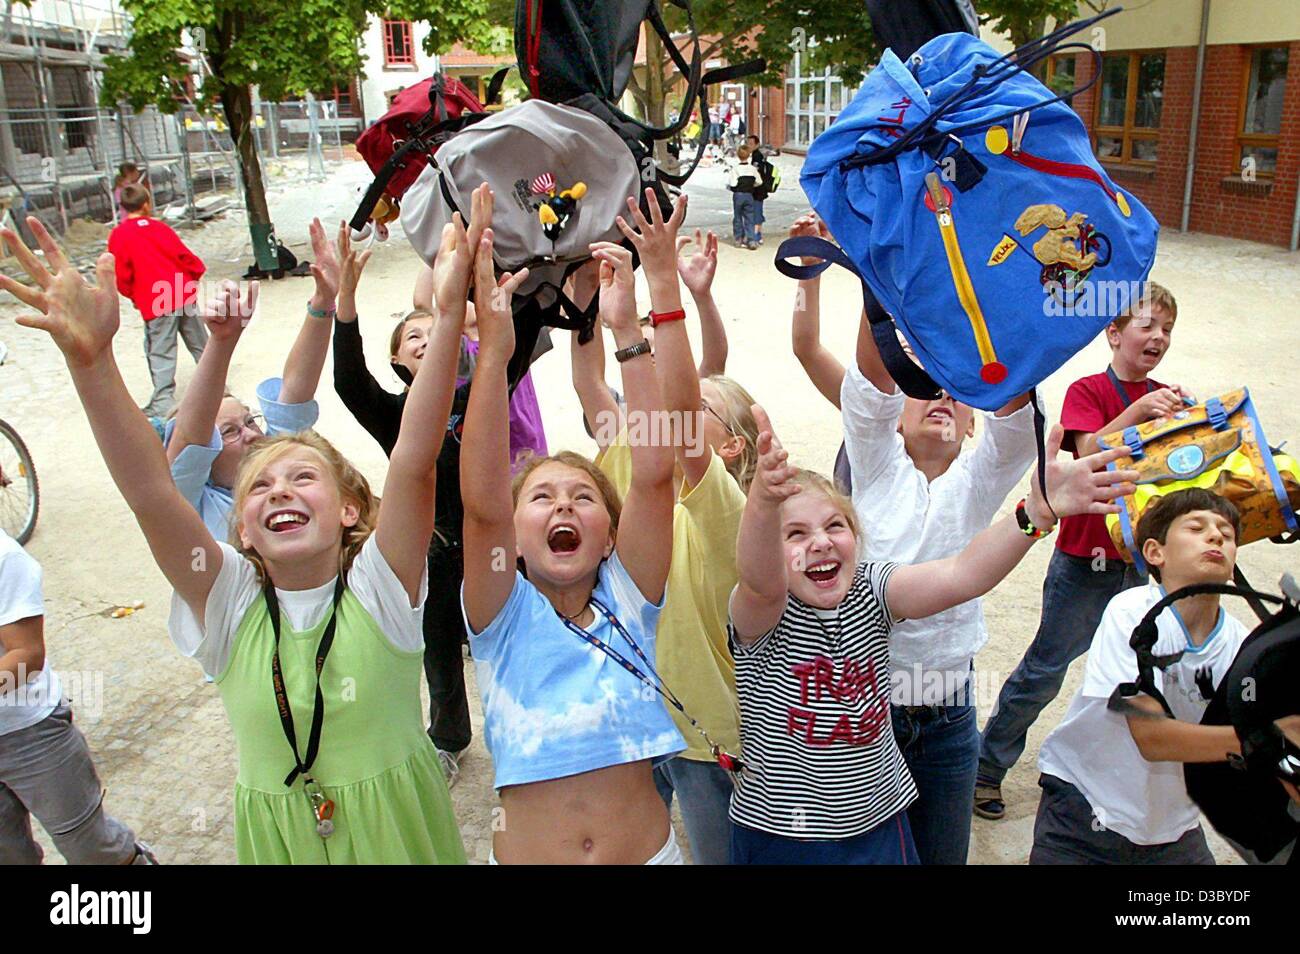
<point x="1196" y="115"/>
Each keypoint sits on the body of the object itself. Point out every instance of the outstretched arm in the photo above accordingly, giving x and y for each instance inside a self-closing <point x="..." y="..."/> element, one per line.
<point x="760" y="596"/>
<point x="697" y="271"/>
<point x="645" y="540"/>
<point x="656" y="243"/>
<point x="587" y="363"/>
<point x="82" y="321"/>
<point x="823" y="368"/>
<point x="489" y="530"/>
<point x="407" y="513"/>
<point x="1075" y="486"/>
<point x="302" y="368"/>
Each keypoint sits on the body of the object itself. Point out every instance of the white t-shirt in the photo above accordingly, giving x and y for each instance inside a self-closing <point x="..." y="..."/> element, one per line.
<point x="1092" y="748"/>
<point x="907" y="519"/>
<point x="371" y="580"/>
<point x="23" y="704"/>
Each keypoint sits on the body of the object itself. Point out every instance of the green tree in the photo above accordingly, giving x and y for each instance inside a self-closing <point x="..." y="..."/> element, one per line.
<point x="1026" y="20"/>
<point x="284" y="49"/>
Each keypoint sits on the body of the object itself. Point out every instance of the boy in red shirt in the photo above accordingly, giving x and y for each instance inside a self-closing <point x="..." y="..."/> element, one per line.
<point x="1086" y="570"/>
<point x="161" y="277"/>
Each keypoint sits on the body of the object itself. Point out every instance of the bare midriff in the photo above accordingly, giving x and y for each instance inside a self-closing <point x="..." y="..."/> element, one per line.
<point x="610" y="816"/>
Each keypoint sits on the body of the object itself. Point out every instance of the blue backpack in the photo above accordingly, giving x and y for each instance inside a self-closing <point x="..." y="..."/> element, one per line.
<point x="966" y="197"/>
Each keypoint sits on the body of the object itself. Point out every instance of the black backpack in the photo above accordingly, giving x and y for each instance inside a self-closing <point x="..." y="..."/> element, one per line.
<point x="1241" y="797"/>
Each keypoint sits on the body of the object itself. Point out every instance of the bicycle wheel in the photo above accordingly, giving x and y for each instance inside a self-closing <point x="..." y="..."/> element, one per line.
<point x="20" y="492"/>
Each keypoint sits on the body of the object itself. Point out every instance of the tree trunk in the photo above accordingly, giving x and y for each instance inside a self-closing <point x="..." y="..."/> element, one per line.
<point x="1028" y="32"/>
<point x="655" y="91"/>
<point x="237" y="102"/>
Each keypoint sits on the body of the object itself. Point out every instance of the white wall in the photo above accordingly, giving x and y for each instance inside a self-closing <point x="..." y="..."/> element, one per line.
<point x="377" y="81"/>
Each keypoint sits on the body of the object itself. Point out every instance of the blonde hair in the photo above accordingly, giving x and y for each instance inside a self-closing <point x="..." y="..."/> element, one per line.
<point x="743" y="153"/>
<point x="737" y="404"/>
<point x="1156" y="296"/>
<point x="352" y="487"/>
<point x="813" y="482"/>
<point x="613" y="503"/>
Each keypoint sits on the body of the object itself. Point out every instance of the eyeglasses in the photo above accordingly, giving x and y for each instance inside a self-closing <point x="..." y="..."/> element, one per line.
<point x="730" y="430"/>
<point x="230" y="433"/>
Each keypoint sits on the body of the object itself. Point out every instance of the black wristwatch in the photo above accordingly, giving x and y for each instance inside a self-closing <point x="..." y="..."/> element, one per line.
<point x="627" y="354"/>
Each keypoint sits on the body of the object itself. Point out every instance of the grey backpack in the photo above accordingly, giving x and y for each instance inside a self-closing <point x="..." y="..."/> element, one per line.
<point x="560" y="176"/>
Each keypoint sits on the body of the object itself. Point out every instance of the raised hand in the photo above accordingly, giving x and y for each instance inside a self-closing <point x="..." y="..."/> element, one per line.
<point x="1077" y="486"/>
<point x="457" y="257"/>
<point x="493" y="303"/>
<point x="1162" y="402"/>
<point x="325" y="270"/>
<point x="81" y="318"/>
<point x="351" y="265"/>
<point x="810" y="224"/>
<point x="773" y="477"/>
<point x="655" y="239"/>
<point x="617" y="287"/>
<point x="227" y="313"/>
<point x="700" y="264"/>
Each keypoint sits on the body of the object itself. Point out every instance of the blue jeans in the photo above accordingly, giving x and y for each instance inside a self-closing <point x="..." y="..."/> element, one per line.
<point x="703" y="792"/>
<point x="942" y="749"/>
<point x="1074" y="597"/>
<point x="889" y="843"/>
<point x="742" y="217"/>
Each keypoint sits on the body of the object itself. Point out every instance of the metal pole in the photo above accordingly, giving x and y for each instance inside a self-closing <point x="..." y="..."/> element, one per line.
<point x="185" y="169"/>
<point x="51" y="130"/>
<point x="1196" y="115"/>
<point x="315" y="156"/>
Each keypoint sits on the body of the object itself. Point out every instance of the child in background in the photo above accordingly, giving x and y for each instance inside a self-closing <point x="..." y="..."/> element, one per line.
<point x="715" y="460"/>
<point x="128" y="173"/>
<point x="213" y="430"/>
<point x="920" y="494"/>
<point x="363" y="784"/>
<point x="742" y="180"/>
<point x="763" y="166"/>
<point x="1086" y="570"/>
<point x="527" y="434"/>
<point x="810" y="628"/>
<point x="45" y="765"/>
<point x="572" y="729"/>
<point x="1113" y="787"/>
<point x="160" y="275"/>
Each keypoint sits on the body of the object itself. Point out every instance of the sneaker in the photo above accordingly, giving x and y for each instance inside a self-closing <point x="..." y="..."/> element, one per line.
<point x="450" y="762"/>
<point x="144" y="855"/>
<point x="988" y="801"/>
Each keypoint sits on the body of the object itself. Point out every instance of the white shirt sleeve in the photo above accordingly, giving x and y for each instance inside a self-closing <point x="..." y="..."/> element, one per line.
<point x="874" y="447"/>
<point x="1111" y="660"/>
<point x="1005" y="451"/>
<point x="209" y="642"/>
<point x="375" y="585"/>
<point x="20" y="583"/>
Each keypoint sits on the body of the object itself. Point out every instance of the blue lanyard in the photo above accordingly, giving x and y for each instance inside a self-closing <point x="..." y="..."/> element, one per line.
<point x="1123" y="391"/>
<point x="731" y="763"/>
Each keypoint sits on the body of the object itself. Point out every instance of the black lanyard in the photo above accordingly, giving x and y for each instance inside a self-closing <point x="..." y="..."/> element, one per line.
<point x="301" y="766"/>
<point x="1123" y="391"/>
<point x="731" y="763"/>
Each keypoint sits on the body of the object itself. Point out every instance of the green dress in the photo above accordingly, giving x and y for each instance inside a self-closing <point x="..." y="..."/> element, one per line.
<point x="375" y="760"/>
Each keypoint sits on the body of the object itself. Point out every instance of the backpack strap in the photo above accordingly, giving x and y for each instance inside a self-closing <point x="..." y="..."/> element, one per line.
<point x="910" y="377"/>
<point x="494" y="85"/>
<point x="1146" y="633"/>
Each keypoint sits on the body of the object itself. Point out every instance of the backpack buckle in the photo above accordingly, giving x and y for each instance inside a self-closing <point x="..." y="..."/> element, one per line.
<point x="1133" y="441"/>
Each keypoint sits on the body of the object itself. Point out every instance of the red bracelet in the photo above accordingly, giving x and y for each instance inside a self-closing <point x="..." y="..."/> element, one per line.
<point x="658" y="318"/>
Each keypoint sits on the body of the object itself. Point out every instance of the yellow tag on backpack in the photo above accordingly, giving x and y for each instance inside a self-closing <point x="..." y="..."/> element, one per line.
<point x="1217" y="446"/>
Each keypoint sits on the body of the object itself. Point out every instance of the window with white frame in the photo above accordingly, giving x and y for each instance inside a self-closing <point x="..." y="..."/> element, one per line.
<point x="813" y="98"/>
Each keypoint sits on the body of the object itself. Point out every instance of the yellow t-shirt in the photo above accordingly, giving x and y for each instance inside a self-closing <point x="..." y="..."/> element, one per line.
<point x="691" y="645"/>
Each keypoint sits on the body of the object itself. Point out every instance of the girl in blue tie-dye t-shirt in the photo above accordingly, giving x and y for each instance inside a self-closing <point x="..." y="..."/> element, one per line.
<point x="571" y="728"/>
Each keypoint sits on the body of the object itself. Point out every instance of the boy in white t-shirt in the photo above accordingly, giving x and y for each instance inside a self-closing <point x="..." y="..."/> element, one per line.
<point x="1113" y="789"/>
<point x="45" y="766"/>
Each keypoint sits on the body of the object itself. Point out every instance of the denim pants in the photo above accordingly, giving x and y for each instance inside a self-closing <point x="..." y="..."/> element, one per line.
<point x="941" y="746"/>
<point x="889" y="843"/>
<point x="1074" y="597"/>
<point x="703" y="791"/>
<point x="742" y="217"/>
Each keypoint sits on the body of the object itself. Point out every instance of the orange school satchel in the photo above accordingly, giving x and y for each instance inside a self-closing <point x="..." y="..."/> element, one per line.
<point x="1217" y="446"/>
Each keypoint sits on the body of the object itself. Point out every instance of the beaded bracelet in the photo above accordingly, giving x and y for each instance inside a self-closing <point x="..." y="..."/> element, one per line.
<point x="318" y="313"/>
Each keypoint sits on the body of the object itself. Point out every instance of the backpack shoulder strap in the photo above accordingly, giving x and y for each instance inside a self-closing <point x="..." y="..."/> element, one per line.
<point x="907" y="374"/>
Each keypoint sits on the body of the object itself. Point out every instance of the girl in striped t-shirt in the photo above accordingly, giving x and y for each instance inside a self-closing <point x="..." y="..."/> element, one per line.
<point x="810" y="625"/>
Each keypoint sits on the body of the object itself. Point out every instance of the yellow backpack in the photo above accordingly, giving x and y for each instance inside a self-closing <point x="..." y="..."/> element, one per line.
<point x="1217" y="446"/>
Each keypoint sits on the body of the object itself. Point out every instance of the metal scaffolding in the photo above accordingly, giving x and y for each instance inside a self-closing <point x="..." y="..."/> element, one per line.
<point x="60" y="149"/>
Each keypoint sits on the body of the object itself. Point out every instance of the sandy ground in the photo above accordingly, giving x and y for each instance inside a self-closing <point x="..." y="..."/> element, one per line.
<point x="158" y="731"/>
